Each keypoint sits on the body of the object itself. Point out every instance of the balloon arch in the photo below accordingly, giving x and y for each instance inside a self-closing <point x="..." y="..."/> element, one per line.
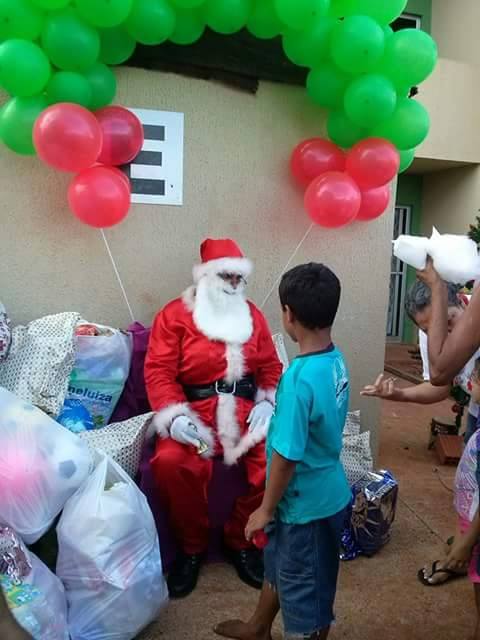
<point x="56" y="58"/>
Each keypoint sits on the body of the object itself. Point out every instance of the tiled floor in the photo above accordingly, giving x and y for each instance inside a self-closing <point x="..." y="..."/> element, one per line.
<point x="378" y="598"/>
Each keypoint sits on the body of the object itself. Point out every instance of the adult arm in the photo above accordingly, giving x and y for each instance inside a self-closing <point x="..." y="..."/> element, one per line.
<point x="449" y="353"/>
<point x="424" y="393"/>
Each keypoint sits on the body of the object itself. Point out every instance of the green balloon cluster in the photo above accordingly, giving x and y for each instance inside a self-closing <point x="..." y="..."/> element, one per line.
<point x="360" y="70"/>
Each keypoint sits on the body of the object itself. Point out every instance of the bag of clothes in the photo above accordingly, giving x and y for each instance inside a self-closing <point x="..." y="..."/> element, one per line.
<point x="109" y="558"/>
<point x="371" y="515"/>
<point x="41" y="466"/>
<point x="102" y="365"/>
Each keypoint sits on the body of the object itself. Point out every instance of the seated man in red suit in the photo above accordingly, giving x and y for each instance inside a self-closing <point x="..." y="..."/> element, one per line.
<point x="211" y="373"/>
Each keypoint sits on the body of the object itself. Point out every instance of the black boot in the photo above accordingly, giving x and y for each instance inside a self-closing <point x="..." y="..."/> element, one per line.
<point x="183" y="576"/>
<point x="249" y="566"/>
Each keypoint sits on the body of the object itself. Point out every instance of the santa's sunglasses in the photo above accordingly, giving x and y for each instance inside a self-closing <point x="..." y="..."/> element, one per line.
<point x="232" y="278"/>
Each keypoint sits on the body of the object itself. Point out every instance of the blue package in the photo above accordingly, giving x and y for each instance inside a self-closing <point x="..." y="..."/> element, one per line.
<point x="371" y="515"/>
<point x="76" y="417"/>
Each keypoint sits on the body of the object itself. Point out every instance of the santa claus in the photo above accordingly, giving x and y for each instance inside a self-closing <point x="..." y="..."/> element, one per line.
<point x="211" y="373"/>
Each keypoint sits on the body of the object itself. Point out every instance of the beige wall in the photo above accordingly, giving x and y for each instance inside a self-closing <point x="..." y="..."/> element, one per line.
<point x="236" y="183"/>
<point x="455" y="28"/>
<point x="452" y="96"/>
<point x="451" y="200"/>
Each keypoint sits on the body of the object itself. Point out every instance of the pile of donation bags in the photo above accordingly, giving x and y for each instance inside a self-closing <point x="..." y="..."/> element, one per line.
<point x="109" y="574"/>
<point x="372" y="509"/>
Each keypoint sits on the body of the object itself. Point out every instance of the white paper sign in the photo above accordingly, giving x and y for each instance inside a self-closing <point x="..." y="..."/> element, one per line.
<point x="156" y="174"/>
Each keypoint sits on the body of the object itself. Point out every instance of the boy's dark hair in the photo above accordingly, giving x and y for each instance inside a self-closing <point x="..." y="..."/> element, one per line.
<point x="312" y="293"/>
<point x="419" y="297"/>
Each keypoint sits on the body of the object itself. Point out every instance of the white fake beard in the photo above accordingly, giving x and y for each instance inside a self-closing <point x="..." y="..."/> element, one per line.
<point x="222" y="312"/>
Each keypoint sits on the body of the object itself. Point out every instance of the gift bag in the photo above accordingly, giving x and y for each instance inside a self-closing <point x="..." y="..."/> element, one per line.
<point x="102" y="364"/>
<point x="122" y="441"/>
<point x="34" y="595"/>
<point x="109" y="558"/>
<point x="356" y="456"/>
<point x="41" y="466"/>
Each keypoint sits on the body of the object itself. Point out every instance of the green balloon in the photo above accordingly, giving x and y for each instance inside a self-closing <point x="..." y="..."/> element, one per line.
<point x="116" y="45"/>
<point x="103" y="85"/>
<point x="358" y="44"/>
<point x="297" y="14"/>
<point x="104" y="13"/>
<point x="383" y="11"/>
<point x="24" y="68"/>
<point x="151" y="21"/>
<point x="310" y="47"/>
<point x="17" y="118"/>
<point x="410" y="57"/>
<point x="388" y="31"/>
<point x="343" y="8"/>
<point x="343" y="131"/>
<point x="187" y="4"/>
<point x="406" y="158"/>
<point x="18" y="19"/>
<point x="68" y="86"/>
<point x="50" y="5"/>
<point x="326" y="85"/>
<point x="227" y="16"/>
<point x="370" y="100"/>
<point x="407" y="127"/>
<point x="263" y="21"/>
<point x="189" y="26"/>
<point x="70" y="43"/>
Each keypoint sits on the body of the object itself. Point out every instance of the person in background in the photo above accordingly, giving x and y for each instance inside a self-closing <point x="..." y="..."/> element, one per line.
<point x="303" y="510"/>
<point x="418" y="306"/>
<point x="9" y="627"/>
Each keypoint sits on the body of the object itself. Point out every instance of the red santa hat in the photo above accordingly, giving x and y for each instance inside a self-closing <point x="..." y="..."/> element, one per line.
<point x="221" y="256"/>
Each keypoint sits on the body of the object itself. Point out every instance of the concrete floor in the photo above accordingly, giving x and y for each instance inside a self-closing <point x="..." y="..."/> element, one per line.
<point x="380" y="597"/>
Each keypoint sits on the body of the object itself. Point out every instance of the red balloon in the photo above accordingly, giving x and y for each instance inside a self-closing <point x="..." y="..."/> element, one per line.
<point x="333" y="200"/>
<point x="373" y="162"/>
<point x="99" y="196"/>
<point x="122" y="135"/>
<point x="311" y="158"/>
<point x="374" y="203"/>
<point x="67" y="137"/>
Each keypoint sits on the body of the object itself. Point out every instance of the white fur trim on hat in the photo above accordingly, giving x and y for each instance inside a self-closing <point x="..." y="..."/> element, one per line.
<point x="162" y="421"/>
<point x="240" y="266"/>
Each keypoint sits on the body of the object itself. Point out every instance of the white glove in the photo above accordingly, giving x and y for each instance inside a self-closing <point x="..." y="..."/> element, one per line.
<point x="260" y="416"/>
<point x="184" y="431"/>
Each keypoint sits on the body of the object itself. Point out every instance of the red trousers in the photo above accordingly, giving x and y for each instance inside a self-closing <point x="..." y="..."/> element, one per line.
<point x="182" y="478"/>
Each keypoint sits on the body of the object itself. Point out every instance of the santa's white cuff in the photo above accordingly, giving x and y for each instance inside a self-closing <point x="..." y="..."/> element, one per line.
<point x="266" y="394"/>
<point x="162" y="421"/>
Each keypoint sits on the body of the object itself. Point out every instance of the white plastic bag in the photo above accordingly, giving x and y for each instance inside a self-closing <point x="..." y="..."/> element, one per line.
<point x="37" y="601"/>
<point x="102" y="365"/>
<point x="41" y="466"/>
<point x="454" y="257"/>
<point x="109" y="558"/>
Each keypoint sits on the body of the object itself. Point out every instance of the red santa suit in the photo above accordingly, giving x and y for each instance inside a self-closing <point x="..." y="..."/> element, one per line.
<point x="192" y="346"/>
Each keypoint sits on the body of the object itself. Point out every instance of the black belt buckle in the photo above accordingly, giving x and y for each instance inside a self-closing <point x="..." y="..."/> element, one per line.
<point x="224" y="389"/>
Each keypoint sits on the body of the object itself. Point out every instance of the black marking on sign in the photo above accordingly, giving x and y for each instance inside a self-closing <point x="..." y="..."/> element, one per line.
<point x="154" y="132"/>
<point x="148" y="186"/>
<point x="151" y="158"/>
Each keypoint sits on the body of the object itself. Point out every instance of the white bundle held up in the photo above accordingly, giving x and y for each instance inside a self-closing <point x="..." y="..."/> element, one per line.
<point x="454" y="257"/>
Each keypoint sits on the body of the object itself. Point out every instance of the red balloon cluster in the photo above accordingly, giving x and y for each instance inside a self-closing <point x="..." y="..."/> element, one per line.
<point x="70" y="138"/>
<point x="343" y="187"/>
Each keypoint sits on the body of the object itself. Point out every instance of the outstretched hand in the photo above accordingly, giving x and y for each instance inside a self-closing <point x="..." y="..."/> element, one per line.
<point x="429" y="275"/>
<point x="382" y="388"/>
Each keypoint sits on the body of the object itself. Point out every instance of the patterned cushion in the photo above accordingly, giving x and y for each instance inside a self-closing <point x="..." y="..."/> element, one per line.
<point x="122" y="441"/>
<point x="40" y="361"/>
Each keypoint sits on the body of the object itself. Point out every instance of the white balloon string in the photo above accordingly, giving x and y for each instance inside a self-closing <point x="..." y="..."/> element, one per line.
<point x="117" y="273"/>
<point x="289" y="262"/>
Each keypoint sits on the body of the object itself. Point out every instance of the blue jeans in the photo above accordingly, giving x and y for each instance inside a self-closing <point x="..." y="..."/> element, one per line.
<point x="301" y="564"/>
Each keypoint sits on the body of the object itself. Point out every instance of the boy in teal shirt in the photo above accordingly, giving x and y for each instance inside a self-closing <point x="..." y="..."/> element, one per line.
<point x="303" y="510"/>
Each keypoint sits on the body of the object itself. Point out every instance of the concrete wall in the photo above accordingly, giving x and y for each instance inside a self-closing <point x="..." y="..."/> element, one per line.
<point x="455" y="28"/>
<point x="451" y="200"/>
<point x="236" y="183"/>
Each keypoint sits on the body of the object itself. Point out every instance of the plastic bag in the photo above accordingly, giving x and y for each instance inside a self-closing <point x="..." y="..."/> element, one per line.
<point x="454" y="257"/>
<point x="102" y="365"/>
<point x="41" y="466"/>
<point x="356" y="456"/>
<point x="109" y="558"/>
<point x="34" y="595"/>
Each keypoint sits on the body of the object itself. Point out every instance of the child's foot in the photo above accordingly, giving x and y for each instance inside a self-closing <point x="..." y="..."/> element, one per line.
<point x="239" y="630"/>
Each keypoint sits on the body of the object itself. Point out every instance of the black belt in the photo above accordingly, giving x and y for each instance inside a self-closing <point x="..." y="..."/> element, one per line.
<point x="244" y="388"/>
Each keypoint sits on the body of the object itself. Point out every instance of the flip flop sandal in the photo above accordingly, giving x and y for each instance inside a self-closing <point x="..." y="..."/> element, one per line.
<point x="451" y="575"/>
